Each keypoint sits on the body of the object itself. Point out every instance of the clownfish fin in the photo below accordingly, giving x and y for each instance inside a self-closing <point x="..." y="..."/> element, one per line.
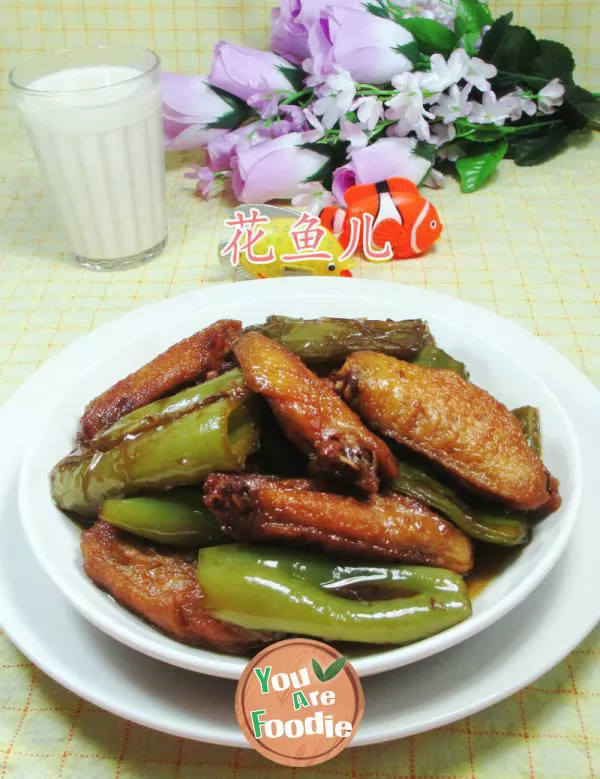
<point x="332" y="218"/>
<point x="327" y="217"/>
<point x="390" y="231"/>
<point x="360" y="192"/>
<point x="402" y="186"/>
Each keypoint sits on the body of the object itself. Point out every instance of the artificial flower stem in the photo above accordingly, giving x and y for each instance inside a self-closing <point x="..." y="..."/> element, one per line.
<point x="297" y="95"/>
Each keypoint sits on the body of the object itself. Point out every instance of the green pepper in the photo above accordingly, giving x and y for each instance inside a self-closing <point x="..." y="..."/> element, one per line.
<point x="168" y="409"/>
<point x="431" y="356"/>
<point x="178" y="518"/>
<point x="281" y="590"/>
<point x="217" y="437"/>
<point x="529" y="417"/>
<point x="331" y="339"/>
<point x="494" y="527"/>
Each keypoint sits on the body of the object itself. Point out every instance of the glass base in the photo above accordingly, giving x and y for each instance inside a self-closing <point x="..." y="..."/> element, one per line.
<point x="122" y="263"/>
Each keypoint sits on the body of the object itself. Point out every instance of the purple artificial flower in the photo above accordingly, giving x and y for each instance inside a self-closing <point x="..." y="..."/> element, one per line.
<point x="369" y="112"/>
<point x="245" y="72"/>
<point x="442" y="133"/>
<point x="551" y="96"/>
<point x="288" y="38"/>
<point x="407" y="108"/>
<point x="266" y="104"/>
<point x="361" y="43"/>
<point x="208" y="183"/>
<point x="384" y="159"/>
<point x="439" y="10"/>
<point x="291" y="22"/>
<point x="291" y="119"/>
<point x="344" y="177"/>
<point x="353" y="133"/>
<point x="275" y="169"/>
<point x="445" y="73"/>
<point x="435" y="180"/>
<point x="180" y="135"/>
<point x="194" y="113"/>
<point x="334" y="97"/>
<point x="219" y="151"/>
<point x="494" y="110"/>
<point x="307" y="12"/>
<point x="478" y="73"/>
<point x="454" y="105"/>
<point x="312" y="198"/>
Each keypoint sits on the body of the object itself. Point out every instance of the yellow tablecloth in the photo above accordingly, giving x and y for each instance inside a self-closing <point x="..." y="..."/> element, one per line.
<point x="525" y="247"/>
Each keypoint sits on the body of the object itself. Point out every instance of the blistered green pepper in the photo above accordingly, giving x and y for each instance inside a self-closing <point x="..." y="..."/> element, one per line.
<point x="217" y="437"/>
<point x="494" y="527"/>
<point x="505" y="528"/>
<point x="332" y="339"/>
<point x="529" y="417"/>
<point x="165" y="410"/>
<point x="282" y="590"/>
<point x="431" y="356"/>
<point x="178" y="518"/>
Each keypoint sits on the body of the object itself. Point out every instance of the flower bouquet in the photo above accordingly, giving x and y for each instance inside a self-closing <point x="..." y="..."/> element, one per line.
<point x="357" y="91"/>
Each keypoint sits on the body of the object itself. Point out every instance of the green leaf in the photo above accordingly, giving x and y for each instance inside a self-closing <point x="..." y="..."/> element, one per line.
<point x="517" y="50"/>
<point x="585" y="103"/>
<point x="294" y="75"/>
<point x="474" y="15"/>
<point x="431" y="36"/>
<point x="489" y="133"/>
<point x="319" y="673"/>
<point x="325" y="173"/>
<point x="334" y="669"/>
<point x="540" y="148"/>
<point x="494" y="36"/>
<point x="470" y="43"/>
<point x="426" y="150"/>
<point x="486" y="134"/>
<point x="555" y="60"/>
<point x="377" y="10"/>
<point x="475" y="170"/>
<point x="410" y="51"/>
<point x="234" y="118"/>
<point x="507" y="78"/>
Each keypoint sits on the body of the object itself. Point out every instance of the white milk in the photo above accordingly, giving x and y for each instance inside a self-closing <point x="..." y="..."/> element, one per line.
<point x="103" y="156"/>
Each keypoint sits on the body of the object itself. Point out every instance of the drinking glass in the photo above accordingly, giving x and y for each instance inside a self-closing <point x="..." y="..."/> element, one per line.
<point x="94" y="115"/>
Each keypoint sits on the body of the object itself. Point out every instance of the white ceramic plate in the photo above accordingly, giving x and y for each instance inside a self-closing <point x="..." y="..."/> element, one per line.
<point x="491" y="666"/>
<point x="497" y="361"/>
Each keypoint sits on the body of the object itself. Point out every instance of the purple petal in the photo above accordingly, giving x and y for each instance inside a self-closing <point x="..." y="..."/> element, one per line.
<point x="343" y="179"/>
<point x="181" y="92"/>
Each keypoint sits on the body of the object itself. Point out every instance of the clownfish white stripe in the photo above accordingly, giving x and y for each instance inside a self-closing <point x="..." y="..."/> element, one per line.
<point x="419" y="221"/>
<point x="338" y="221"/>
<point x="387" y="209"/>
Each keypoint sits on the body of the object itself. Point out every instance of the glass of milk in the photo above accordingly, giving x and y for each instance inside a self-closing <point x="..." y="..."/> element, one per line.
<point x="94" y="115"/>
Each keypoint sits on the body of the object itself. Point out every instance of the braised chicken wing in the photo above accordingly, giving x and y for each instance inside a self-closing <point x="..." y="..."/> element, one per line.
<point x="192" y="360"/>
<point x="382" y="527"/>
<point x="312" y="416"/>
<point x="160" y="586"/>
<point x="452" y="422"/>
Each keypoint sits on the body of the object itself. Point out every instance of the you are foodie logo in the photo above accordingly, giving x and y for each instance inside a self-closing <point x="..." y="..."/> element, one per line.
<point x="299" y="702"/>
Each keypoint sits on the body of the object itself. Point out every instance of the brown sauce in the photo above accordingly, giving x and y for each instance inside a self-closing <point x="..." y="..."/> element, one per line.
<point x="489" y="562"/>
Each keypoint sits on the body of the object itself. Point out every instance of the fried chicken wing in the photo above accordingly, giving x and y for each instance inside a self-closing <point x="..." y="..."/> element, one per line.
<point x="382" y="527"/>
<point x="160" y="586"/>
<point x="192" y="360"/>
<point x="312" y="416"/>
<point x="452" y="422"/>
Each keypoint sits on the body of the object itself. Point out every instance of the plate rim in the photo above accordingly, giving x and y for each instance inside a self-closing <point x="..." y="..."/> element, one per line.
<point x="384" y="659"/>
<point x="590" y="397"/>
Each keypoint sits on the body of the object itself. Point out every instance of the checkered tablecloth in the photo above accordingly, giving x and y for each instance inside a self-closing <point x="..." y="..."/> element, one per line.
<point x="526" y="247"/>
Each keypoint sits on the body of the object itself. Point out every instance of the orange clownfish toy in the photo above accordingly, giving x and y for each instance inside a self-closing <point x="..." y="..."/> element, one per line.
<point x="391" y="211"/>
